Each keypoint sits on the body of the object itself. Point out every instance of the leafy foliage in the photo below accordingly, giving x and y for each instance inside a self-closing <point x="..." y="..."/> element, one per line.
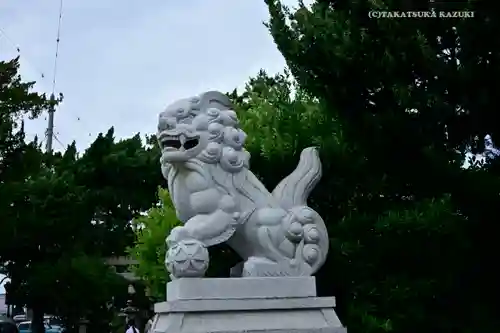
<point x="149" y="250"/>
<point x="409" y="224"/>
<point x="63" y="214"/>
<point x="17" y="158"/>
<point x="120" y="179"/>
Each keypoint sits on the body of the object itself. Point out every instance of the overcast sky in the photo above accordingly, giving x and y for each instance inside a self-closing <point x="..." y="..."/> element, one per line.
<point x="120" y="62"/>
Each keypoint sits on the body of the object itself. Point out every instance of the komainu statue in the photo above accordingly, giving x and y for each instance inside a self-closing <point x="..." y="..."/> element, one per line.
<point x="219" y="199"/>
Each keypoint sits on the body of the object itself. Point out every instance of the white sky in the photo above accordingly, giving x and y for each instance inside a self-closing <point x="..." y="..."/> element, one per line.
<point x="121" y="62"/>
<point x="119" y="65"/>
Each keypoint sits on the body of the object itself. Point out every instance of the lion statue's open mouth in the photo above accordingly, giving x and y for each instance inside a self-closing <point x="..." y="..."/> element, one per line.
<point x="177" y="143"/>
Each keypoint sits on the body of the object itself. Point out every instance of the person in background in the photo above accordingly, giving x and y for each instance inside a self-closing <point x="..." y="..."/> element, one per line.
<point x="149" y="326"/>
<point x="131" y="327"/>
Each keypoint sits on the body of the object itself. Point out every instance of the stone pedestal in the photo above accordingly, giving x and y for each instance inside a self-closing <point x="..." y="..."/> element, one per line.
<point x="250" y="305"/>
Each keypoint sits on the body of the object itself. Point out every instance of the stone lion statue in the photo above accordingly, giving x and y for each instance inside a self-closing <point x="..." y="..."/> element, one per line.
<point x="219" y="199"/>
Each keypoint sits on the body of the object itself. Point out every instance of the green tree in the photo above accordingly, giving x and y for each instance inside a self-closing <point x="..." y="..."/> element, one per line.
<point x="62" y="214"/>
<point x="414" y="226"/>
<point x="391" y="253"/>
<point x="72" y="277"/>
<point x="149" y="250"/>
<point x="108" y="206"/>
<point x="52" y="259"/>
<point x="121" y="178"/>
<point x="18" y="160"/>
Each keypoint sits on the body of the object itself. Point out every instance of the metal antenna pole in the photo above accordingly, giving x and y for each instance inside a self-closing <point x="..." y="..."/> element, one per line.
<point x="50" y="126"/>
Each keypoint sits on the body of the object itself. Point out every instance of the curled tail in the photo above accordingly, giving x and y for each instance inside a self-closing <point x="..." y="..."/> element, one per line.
<point x="294" y="190"/>
<point x="304" y="226"/>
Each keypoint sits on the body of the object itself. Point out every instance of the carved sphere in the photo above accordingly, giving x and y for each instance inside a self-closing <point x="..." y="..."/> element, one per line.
<point x="232" y="156"/>
<point x="311" y="234"/>
<point x="307" y="216"/>
<point x="213" y="148"/>
<point x="234" y="138"/>
<point x="188" y="258"/>
<point x="295" y="232"/>
<point x="215" y="128"/>
<point x="211" y="154"/>
<point x="310" y="253"/>
<point x="216" y="132"/>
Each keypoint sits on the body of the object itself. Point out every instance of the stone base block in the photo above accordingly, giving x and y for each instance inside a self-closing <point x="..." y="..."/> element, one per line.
<point x="241" y="288"/>
<point x="250" y="305"/>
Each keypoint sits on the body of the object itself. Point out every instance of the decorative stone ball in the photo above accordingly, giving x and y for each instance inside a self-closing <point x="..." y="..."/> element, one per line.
<point x="310" y="252"/>
<point x="295" y="232"/>
<point x="311" y="234"/>
<point x="188" y="258"/>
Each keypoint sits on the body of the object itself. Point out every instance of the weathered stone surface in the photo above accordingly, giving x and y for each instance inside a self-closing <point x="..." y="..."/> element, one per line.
<point x="244" y="311"/>
<point x="242" y="288"/>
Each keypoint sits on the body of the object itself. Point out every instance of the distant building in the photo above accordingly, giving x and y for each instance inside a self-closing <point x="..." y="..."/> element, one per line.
<point x="122" y="265"/>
